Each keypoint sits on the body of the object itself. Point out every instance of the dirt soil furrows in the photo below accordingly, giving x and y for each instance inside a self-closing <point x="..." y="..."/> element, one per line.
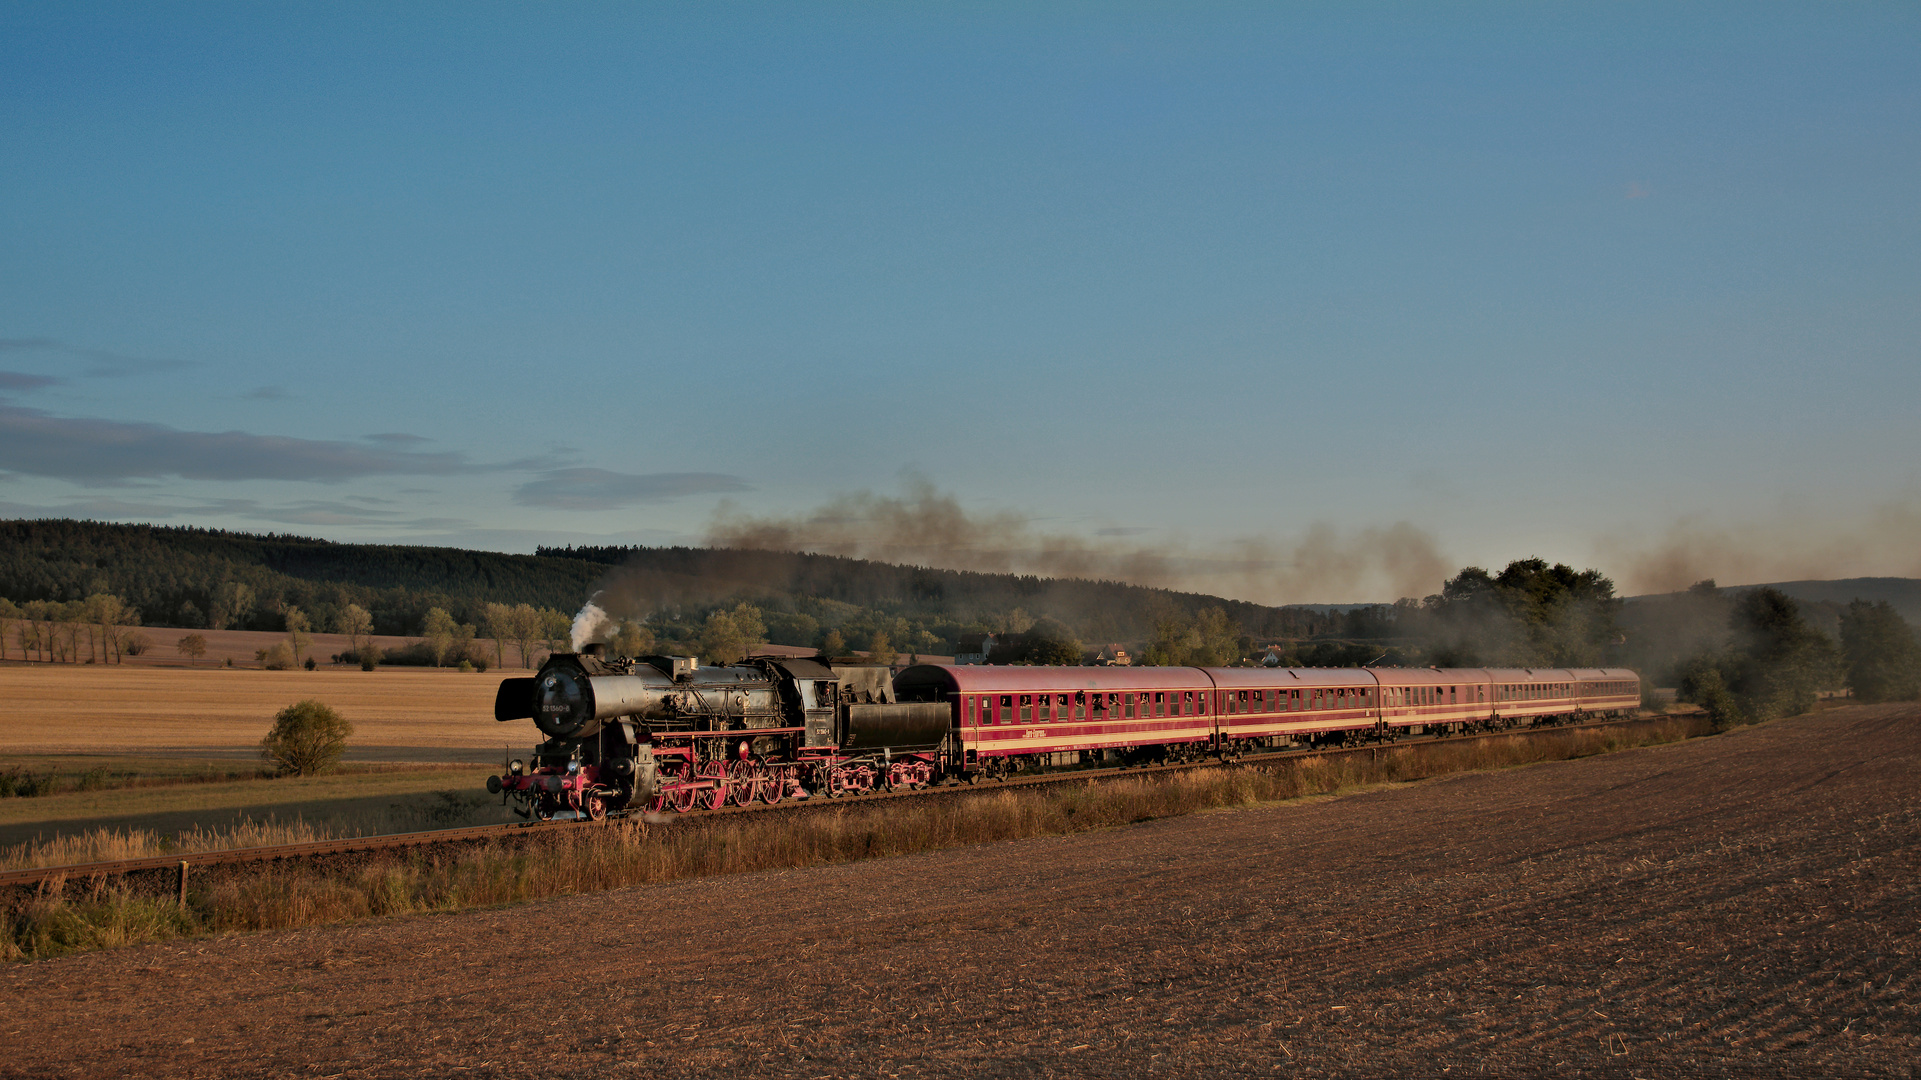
<point x="1737" y="906"/>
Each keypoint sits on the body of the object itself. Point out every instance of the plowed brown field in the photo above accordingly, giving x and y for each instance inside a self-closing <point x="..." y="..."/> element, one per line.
<point x="1741" y="906"/>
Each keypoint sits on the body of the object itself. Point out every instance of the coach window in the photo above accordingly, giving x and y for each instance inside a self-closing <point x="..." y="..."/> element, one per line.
<point x="1160" y="703"/>
<point x="1127" y="706"/>
<point x="1027" y="708"/>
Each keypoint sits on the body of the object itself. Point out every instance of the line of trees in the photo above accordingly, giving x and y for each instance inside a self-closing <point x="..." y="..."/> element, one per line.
<point x="1770" y="661"/>
<point x="56" y="632"/>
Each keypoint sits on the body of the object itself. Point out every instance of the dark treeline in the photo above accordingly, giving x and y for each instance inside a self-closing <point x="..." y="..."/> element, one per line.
<point x="1748" y="655"/>
<point x="1755" y="652"/>
<point x="207" y="578"/>
<point x="833" y="602"/>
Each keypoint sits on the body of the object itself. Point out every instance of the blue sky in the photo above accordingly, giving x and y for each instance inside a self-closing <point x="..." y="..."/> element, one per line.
<point x="1295" y="302"/>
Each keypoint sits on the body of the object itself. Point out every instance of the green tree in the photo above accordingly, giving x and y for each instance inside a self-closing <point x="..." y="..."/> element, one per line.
<point x="497" y="621"/>
<point x="437" y="631"/>
<point x="277" y="657"/>
<point x="1778" y="662"/>
<point x="9" y="611"/>
<point x="357" y="625"/>
<point x="1703" y="684"/>
<point x="1879" y="652"/>
<point x="747" y="620"/>
<point x="191" y="646"/>
<point x="298" y="638"/>
<point x="307" y="737"/>
<point x="464" y="647"/>
<point x="721" y="641"/>
<point x="232" y="603"/>
<point x="832" y="644"/>
<point x="633" y="639"/>
<point x="1208" y="639"/>
<point x="880" y="650"/>
<point x="556" y="630"/>
<point x="523" y="624"/>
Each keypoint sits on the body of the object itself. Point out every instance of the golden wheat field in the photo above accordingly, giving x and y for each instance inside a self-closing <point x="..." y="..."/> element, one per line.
<point x="414" y="715"/>
<point x="167" y="750"/>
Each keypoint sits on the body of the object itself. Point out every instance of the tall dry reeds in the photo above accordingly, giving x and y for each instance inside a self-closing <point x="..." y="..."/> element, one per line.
<point x="540" y="864"/>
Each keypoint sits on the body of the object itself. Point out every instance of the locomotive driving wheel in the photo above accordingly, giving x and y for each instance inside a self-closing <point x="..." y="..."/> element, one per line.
<point x="773" y="785"/>
<point x="596" y="808"/>
<point x="682" y="799"/>
<point x="715" y="797"/>
<point x="743" y="782"/>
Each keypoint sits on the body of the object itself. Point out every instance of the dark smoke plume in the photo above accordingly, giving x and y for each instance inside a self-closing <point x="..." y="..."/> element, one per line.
<point x="1884" y="543"/>
<point x="927" y="527"/>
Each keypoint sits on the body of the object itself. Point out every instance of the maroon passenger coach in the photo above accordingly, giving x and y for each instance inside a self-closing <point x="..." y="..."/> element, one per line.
<point x="1013" y="718"/>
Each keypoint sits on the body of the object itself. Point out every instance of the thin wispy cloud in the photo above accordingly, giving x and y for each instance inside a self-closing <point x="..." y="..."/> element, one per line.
<point x="91" y="451"/>
<point x="22" y="381"/>
<point x="267" y="393"/>
<point x="397" y="438"/>
<point x="599" y="489"/>
<point x="101" y="364"/>
<point x="309" y="512"/>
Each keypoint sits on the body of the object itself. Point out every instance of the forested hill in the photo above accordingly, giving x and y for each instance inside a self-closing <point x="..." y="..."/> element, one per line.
<point x="943" y="601"/>
<point x="173" y="574"/>
<point x="176" y="575"/>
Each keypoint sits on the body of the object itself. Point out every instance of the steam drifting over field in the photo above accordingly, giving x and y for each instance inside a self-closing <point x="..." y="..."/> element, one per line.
<point x="927" y="527"/>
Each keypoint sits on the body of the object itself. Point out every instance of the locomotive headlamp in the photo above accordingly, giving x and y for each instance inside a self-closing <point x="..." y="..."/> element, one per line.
<point x="516" y="766"/>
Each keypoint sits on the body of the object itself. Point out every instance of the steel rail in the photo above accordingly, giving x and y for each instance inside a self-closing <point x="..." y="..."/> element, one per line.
<point x="35" y="875"/>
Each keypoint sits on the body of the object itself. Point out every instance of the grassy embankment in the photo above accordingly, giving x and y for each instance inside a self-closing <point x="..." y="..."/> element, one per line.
<point x="99" y="915"/>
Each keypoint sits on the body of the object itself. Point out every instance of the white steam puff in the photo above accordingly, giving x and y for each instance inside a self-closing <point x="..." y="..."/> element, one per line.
<point x="591" y="624"/>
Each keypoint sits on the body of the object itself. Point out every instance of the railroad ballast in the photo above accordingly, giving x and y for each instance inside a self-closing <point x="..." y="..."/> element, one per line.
<point x="666" y="733"/>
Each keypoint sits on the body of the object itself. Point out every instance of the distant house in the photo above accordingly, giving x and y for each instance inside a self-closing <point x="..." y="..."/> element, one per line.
<point x="973" y="648"/>
<point x="1111" y="656"/>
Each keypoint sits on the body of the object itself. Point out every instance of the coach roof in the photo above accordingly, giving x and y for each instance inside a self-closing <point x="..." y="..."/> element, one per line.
<point x="995" y="679"/>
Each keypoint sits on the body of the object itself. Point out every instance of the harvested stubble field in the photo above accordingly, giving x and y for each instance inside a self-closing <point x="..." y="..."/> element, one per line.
<point x="1743" y="905"/>
<point x="412" y="715"/>
<point x="142" y="733"/>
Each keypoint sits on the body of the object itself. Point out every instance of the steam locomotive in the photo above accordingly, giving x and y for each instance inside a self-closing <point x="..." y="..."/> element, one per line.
<point x="664" y="733"/>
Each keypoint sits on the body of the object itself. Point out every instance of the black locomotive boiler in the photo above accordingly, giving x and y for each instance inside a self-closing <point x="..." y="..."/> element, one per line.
<point x="667" y="733"/>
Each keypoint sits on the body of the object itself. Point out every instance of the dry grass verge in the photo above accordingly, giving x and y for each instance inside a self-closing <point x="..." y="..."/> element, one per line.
<point x="536" y="864"/>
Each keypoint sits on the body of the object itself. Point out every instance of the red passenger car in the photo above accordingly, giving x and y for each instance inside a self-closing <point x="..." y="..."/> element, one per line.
<point x="1012" y="718"/>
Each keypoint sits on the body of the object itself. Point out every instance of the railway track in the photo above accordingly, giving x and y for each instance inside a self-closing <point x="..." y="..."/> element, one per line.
<point x="183" y="864"/>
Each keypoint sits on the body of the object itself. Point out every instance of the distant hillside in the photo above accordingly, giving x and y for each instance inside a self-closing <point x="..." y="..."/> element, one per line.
<point x="172" y="574"/>
<point x="1903" y="593"/>
<point x="946" y="602"/>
